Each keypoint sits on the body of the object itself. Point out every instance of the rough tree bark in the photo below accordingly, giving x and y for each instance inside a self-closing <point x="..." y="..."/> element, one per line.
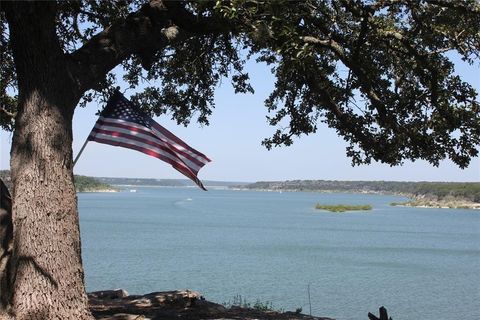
<point x="6" y="230"/>
<point x="48" y="280"/>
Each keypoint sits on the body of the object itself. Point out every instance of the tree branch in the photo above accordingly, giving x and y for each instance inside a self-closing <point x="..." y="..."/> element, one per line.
<point x="9" y="114"/>
<point x="365" y="81"/>
<point x="144" y="33"/>
<point x="39" y="33"/>
<point x="77" y="29"/>
<point x="456" y="4"/>
<point x="195" y="24"/>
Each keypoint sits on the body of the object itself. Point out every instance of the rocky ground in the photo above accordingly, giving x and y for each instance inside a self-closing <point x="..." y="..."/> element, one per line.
<point x="185" y="304"/>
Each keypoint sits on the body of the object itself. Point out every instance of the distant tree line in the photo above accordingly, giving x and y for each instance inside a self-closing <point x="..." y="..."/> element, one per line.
<point x="82" y="183"/>
<point x="85" y="184"/>
<point x="164" y="182"/>
<point x="436" y="190"/>
<point x="146" y="182"/>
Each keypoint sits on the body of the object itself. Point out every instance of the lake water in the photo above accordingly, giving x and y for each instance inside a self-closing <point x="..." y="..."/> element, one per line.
<point x="419" y="263"/>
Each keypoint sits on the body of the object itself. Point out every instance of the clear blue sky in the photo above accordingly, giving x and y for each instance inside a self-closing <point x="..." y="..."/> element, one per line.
<point x="232" y="141"/>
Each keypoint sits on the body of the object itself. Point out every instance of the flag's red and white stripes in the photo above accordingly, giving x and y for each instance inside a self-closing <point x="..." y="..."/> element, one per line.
<point x="157" y="142"/>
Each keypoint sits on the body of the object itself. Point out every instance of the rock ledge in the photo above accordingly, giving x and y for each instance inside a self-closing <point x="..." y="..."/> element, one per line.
<point x="168" y="305"/>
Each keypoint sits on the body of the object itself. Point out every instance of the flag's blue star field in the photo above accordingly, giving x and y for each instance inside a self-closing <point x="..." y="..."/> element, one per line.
<point x="125" y="110"/>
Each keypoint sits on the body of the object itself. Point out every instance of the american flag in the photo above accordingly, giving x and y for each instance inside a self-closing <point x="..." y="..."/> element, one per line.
<point x="122" y="124"/>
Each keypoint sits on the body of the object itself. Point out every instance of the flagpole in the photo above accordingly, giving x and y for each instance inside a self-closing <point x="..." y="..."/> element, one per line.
<point x="84" y="145"/>
<point x="80" y="152"/>
<point x="86" y="141"/>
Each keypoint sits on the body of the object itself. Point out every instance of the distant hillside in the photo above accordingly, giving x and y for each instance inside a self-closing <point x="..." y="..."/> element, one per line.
<point x="468" y="191"/>
<point x="165" y="182"/>
<point x="143" y="182"/>
<point x="90" y="184"/>
<point x="82" y="183"/>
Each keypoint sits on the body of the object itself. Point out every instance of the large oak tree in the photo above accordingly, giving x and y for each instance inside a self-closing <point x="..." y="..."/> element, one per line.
<point x="379" y="72"/>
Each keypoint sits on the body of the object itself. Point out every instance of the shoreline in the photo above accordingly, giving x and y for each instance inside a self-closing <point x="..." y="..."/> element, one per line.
<point x="98" y="191"/>
<point x="413" y="202"/>
<point x="439" y="205"/>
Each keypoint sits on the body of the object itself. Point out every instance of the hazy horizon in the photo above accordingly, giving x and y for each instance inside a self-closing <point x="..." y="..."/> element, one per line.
<point x="240" y="181"/>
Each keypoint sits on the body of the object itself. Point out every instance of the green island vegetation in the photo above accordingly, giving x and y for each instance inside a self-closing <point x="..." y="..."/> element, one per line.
<point x="343" y="207"/>
<point x="429" y="194"/>
<point x="82" y="183"/>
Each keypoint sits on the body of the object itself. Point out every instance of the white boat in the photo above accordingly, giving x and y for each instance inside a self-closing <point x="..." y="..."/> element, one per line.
<point x="133" y="190"/>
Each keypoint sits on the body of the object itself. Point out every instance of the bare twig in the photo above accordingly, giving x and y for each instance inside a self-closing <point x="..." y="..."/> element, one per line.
<point x="8" y="113"/>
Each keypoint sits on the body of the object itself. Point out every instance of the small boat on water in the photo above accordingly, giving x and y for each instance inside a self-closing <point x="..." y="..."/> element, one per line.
<point x="133" y="190"/>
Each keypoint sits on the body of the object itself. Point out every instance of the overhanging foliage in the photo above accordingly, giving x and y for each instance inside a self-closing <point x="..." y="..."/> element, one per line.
<point x="379" y="72"/>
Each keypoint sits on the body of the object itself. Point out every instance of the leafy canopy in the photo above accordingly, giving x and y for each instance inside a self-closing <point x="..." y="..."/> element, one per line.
<point x="379" y="72"/>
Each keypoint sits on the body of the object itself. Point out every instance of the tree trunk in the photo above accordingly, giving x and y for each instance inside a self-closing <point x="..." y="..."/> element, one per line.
<point x="48" y="279"/>
<point x="6" y="234"/>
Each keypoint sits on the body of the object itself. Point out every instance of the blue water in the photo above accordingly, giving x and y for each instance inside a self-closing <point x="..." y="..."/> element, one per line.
<point x="419" y="263"/>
